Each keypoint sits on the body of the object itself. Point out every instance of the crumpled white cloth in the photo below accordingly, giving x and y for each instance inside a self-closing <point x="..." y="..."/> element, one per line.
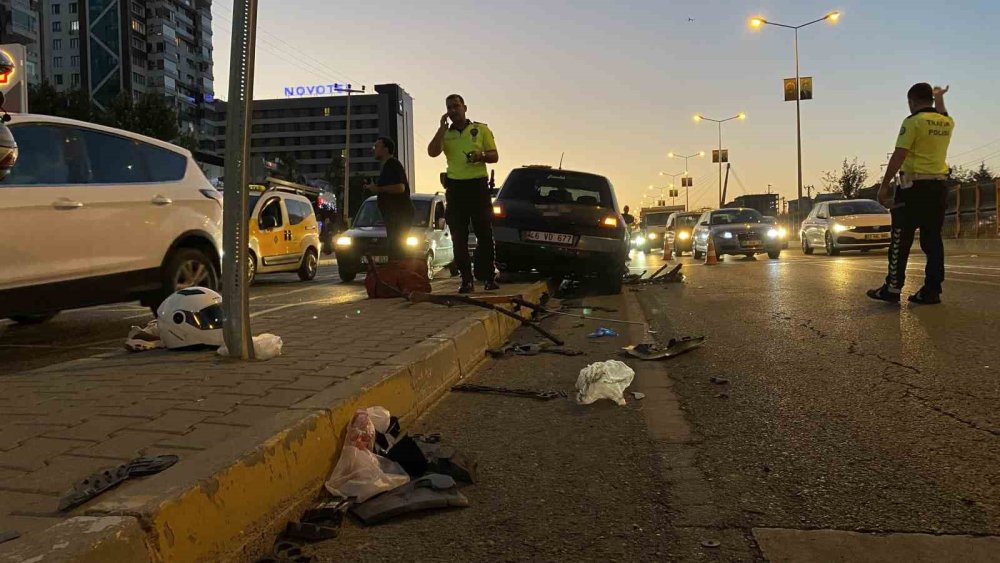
<point x="603" y="380"/>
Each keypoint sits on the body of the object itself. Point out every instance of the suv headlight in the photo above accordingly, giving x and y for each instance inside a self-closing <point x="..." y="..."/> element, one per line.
<point x="412" y="241"/>
<point x="344" y="241"/>
<point x="684" y="235"/>
<point x="772" y="233"/>
<point x="838" y="228"/>
<point x="727" y="234"/>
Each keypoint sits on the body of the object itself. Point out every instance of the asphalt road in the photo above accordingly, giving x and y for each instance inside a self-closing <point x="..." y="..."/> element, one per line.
<point x="842" y="412"/>
<point x="81" y="333"/>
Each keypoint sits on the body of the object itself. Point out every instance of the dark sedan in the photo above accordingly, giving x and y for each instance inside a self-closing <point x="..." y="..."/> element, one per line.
<point x="736" y="231"/>
<point x="561" y="223"/>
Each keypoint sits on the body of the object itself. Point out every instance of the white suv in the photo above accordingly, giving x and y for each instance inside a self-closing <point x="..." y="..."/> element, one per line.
<point x="96" y="215"/>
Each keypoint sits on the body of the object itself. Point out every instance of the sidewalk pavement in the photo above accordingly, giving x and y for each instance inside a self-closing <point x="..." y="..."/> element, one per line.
<point x="255" y="440"/>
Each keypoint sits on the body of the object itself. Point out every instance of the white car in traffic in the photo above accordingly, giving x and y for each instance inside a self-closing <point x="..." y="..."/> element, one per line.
<point x="99" y="215"/>
<point x="852" y="224"/>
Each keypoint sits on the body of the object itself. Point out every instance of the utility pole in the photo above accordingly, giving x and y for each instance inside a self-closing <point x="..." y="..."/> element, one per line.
<point x="698" y="117"/>
<point x="347" y="152"/>
<point x="235" y="242"/>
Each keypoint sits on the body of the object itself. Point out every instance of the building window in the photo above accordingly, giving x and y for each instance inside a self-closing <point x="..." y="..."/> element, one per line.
<point x="72" y="7"/>
<point x="57" y="62"/>
<point x="59" y="80"/>
<point x="74" y="43"/>
<point x="74" y="61"/>
<point x="326" y="112"/>
<point x="74" y="27"/>
<point x="138" y="26"/>
<point x="56" y="44"/>
<point x="75" y="79"/>
<point x="138" y="79"/>
<point x="56" y="27"/>
<point x="55" y="9"/>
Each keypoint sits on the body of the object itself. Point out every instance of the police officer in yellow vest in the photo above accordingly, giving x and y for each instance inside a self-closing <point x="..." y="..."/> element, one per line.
<point x="920" y="199"/>
<point x="469" y="147"/>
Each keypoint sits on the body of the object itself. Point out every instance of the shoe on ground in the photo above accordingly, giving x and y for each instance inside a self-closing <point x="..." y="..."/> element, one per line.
<point x="883" y="294"/>
<point x="925" y="297"/>
<point x="491" y="285"/>
<point x="467" y="287"/>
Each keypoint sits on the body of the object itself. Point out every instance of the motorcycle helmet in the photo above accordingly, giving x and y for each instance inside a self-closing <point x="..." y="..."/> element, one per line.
<point x="191" y="318"/>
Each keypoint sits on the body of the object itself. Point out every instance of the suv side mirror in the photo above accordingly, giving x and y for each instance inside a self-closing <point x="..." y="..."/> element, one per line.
<point x="268" y="222"/>
<point x="704" y="223"/>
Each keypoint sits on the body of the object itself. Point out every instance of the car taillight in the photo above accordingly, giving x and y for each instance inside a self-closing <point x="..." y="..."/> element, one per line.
<point x="498" y="211"/>
<point x="212" y="194"/>
<point x="610" y="221"/>
<point x="320" y="202"/>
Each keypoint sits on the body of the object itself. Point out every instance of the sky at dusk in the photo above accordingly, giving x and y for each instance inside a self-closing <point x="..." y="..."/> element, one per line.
<point x="614" y="85"/>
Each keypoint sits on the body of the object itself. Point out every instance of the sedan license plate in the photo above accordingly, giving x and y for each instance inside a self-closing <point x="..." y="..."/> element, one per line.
<point x="552" y="238"/>
<point x="380" y="259"/>
<point x="876" y="236"/>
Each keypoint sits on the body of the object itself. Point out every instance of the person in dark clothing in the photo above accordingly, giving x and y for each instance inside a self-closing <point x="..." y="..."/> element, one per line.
<point x="921" y="197"/>
<point x="393" y="192"/>
<point x="469" y="146"/>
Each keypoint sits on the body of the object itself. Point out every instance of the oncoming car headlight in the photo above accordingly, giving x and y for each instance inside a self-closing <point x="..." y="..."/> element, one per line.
<point x="344" y="241"/>
<point x="411" y="241"/>
<point x="638" y="241"/>
<point x="838" y="228"/>
<point x="684" y="235"/>
<point x="772" y="233"/>
<point x="652" y="236"/>
<point x="727" y="234"/>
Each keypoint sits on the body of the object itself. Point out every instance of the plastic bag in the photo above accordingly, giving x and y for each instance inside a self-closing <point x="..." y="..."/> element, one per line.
<point x="603" y="380"/>
<point x="359" y="472"/>
<point x="265" y="347"/>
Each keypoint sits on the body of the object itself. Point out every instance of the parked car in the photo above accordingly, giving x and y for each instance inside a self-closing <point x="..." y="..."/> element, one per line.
<point x="428" y="238"/>
<point x="561" y="222"/>
<point x="853" y="224"/>
<point x="99" y="215"/>
<point x="284" y="235"/>
<point x="736" y="231"/>
<point x="782" y="232"/>
<point x="679" y="227"/>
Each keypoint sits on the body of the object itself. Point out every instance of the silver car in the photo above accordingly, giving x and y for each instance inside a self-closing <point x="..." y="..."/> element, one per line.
<point x="428" y="238"/>
<point x="736" y="231"/>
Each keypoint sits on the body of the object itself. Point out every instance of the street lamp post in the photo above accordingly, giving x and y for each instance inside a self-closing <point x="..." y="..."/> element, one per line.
<point x="672" y="180"/>
<point x="687" y="190"/>
<point x="757" y="23"/>
<point x="347" y="89"/>
<point x="698" y="117"/>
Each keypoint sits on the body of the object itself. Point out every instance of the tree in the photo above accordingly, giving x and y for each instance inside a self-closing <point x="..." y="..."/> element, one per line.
<point x="851" y="178"/>
<point x="983" y="174"/>
<point x="961" y="175"/>
<point x="46" y="100"/>
<point x="156" y="117"/>
<point x="188" y="140"/>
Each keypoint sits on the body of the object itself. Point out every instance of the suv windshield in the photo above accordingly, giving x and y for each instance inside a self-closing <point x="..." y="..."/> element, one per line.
<point x="370" y="216"/>
<point x="686" y="221"/>
<point x="733" y="216"/>
<point x="656" y="219"/>
<point x="547" y="187"/>
<point x="856" y="208"/>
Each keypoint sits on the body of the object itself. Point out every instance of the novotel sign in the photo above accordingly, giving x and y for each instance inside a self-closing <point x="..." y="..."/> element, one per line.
<point x="315" y="90"/>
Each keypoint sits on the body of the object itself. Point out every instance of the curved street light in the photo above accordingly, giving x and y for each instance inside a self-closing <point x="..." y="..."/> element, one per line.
<point x="687" y="190"/>
<point x="698" y="117"/>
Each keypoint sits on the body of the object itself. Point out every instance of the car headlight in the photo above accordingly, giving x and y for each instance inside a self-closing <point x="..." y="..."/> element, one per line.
<point x="638" y="240"/>
<point x="772" y="233"/>
<point x="727" y="234"/>
<point x="344" y="241"/>
<point x="411" y="241"/>
<point x="838" y="228"/>
<point x="782" y="232"/>
<point x="652" y="236"/>
<point x="684" y="235"/>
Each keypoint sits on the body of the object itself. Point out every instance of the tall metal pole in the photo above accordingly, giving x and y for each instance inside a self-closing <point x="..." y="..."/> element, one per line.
<point x="347" y="163"/>
<point x="687" y="189"/>
<point x="235" y="243"/>
<point x="798" y="125"/>
<point x="721" y="203"/>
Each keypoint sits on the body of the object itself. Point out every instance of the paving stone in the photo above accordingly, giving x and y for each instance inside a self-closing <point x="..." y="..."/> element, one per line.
<point x="174" y="421"/>
<point x="245" y="415"/>
<point x="280" y="398"/>
<point x="32" y="454"/>
<point x="203" y="437"/>
<point x="145" y="408"/>
<point x="27" y="504"/>
<point x="96" y="429"/>
<point x="310" y="382"/>
<point x="255" y="387"/>
<point x="221" y="402"/>
<point x="123" y="446"/>
<point x="14" y="435"/>
<point x="58" y="475"/>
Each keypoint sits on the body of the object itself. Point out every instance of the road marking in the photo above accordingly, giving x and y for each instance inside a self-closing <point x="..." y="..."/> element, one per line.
<point x="956" y="280"/>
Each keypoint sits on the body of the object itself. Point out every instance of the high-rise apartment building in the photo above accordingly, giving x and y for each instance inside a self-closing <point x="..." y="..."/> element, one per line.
<point x="19" y="23"/>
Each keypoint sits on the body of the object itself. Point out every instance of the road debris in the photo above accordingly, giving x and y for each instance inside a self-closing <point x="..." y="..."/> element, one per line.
<point x="601" y="332"/>
<point x="676" y="347"/>
<point x="718" y="380"/>
<point x="710" y="543"/>
<point x="310" y="532"/>
<point x="532" y="350"/>
<point x="360" y="473"/>
<point x="142" y="338"/>
<point x="107" y="479"/>
<point x="673" y="276"/>
<point x="265" y="347"/>
<point x="638" y="396"/>
<point x="7" y="535"/>
<point x="428" y="492"/>
<point x="446" y="460"/>
<point x="489" y="302"/>
<point x="512" y="392"/>
<point x="722" y="395"/>
<point x="603" y="380"/>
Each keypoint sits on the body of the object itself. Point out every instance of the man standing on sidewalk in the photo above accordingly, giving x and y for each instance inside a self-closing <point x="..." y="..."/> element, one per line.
<point x="920" y="200"/>
<point x="393" y="191"/>
<point x="469" y="147"/>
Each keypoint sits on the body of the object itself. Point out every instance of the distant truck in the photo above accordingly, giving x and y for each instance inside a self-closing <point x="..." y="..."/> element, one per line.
<point x="653" y="221"/>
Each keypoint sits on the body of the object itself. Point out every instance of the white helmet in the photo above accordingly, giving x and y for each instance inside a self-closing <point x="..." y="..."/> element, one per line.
<point x="191" y="317"/>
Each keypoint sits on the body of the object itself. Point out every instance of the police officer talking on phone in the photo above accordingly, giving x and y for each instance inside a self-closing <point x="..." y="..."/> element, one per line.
<point x="468" y="147"/>
<point x="920" y="199"/>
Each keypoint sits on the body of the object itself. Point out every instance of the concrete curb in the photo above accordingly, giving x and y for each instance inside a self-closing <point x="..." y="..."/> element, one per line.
<point x="236" y="497"/>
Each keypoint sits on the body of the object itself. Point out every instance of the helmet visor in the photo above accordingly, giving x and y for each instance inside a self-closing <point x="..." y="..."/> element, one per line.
<point x="209" y="318"/>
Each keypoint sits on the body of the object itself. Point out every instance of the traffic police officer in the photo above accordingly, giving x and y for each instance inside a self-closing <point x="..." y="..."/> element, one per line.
<point x="468" y="147"/>
<point x="920" y="200"/>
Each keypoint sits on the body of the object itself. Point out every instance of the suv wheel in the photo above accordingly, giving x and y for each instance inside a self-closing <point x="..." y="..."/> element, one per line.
<point x="187" y="267"/>
<point x="251" y="267"/>
<point x="430" y="266"/>
<point x="831" y="249"/>
<point x="806" y="248"/>
<point x="310" y="263"/>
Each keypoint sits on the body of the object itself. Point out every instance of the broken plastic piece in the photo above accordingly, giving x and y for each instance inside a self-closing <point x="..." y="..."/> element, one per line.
<point x="432" y="491"/>
<point x="142" y="466"/>
<point x="638" y="396"/>
<point x="718" y="380"/>
<point x="710" y="543"/>
<point x="513" y="392"/>
<point x="310" y="532"/>
<point x="92" y="486"/>
<point x="648" y="351"/>
<point x="602" y="332"/>
<point x="445" y="460"/>
<point x="603" y="380"/>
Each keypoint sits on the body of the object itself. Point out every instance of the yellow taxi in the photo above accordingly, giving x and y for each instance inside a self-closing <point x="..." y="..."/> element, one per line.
<point x="284" y="234"/>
